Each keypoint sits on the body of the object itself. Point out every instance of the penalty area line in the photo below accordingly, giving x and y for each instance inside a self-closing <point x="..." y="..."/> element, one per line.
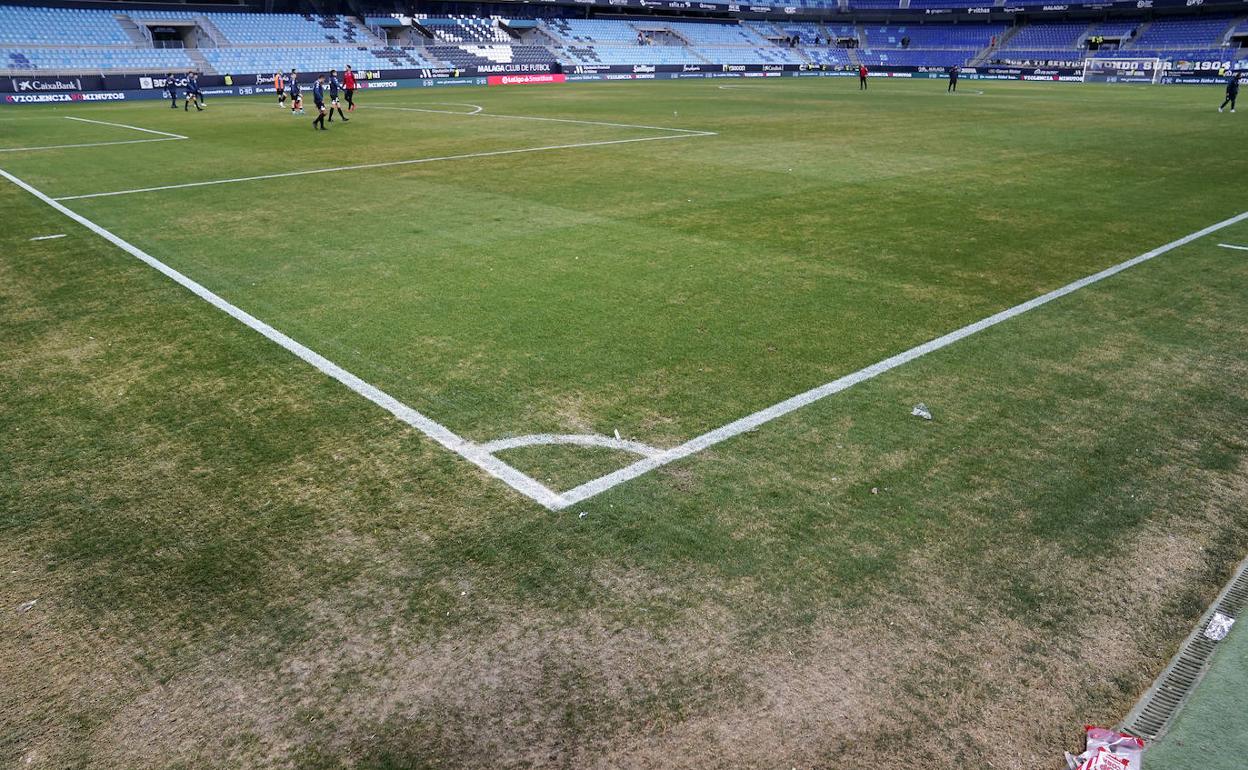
<point x="365" y="166"/>
<point x="1233" y="246"/>
<point x="470" y="451"/>
<point x="124" y="125"/>
<point x="165" y="137"/>
<point x="752" y="421"/>
<point x="88" y="144"/>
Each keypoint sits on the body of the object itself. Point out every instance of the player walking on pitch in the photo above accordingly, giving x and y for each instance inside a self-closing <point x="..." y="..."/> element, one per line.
<point x="318" y="98"/>
<point x="954" y="71"/>
<point x="192" y="92"/>
<point x="296" y="100"/>
<point x="172" y="87"/>
<point x="862" y="77"/>
<point x="333" y="97"/>
<point x="1232" y="90"/>
<point x="279" y="85"/>
<point x="348" y="88"/>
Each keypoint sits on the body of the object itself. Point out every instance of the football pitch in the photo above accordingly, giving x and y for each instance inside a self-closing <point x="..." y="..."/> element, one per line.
<point x="572" y="425"/>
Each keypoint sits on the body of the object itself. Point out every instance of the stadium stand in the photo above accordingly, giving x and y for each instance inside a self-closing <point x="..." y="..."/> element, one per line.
<point x="971" y="37"/>
<point x="246" y="60"/>
<point x="1048" y="36"/>
<point x="486" y="54"/>
<point x="1199" y="33"/>
<point x="82" y="59"/>
<point x="1119" y="29"/>
<point x="465" y="30"/>
<point x="60" y="26"/>
<point x="68" y="41"/>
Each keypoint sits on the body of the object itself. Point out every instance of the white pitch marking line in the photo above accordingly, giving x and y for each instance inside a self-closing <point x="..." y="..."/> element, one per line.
<point x="123" y="125"/>
<point x="48" y="237"/>
<point x="463" y="447"/>
<point x="752" y="421"/>
<point x="167" y="137"/>
<point x="578" y="439"/>
<point x="690" y="131"/>
<point x="1233" y="246"/>
<point x="476" y="108"/>
<point x="89" y="144"/>
<point x="362" y="166"/>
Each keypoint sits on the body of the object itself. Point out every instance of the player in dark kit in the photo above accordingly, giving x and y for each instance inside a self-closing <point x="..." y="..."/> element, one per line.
<point x="192" y="92"/>
<point x="296" y="99"/>
<point x="348" y="88"/>
<point x="953" y="79"/>
<point x="172" y="87"/>
<point x="333" y="97"/>
<point x="862" y="77"/>
<point x="1232" y="90"/>
<point x="318" y="98"/>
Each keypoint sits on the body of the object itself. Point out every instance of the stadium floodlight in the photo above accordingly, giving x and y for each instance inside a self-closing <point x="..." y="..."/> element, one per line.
<point x="1123" y="69"/>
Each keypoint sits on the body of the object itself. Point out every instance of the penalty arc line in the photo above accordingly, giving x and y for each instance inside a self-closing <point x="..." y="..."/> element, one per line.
<point x="752" y="421"/>
<point x="470" y="451"/>
<point x="363" y="166"/>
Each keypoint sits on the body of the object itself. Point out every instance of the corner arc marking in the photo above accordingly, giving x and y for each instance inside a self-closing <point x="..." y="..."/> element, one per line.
<point x="575" y="439"/>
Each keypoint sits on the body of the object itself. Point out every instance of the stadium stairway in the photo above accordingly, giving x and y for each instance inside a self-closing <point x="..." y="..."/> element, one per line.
<point x="211" y="30"/>
<point x="132" y="31"/>
<point x="201" y="64"/>
<point x="1139" y="33"/>
<point x="1083" y="39"/>
<point x="1230" y="29"/>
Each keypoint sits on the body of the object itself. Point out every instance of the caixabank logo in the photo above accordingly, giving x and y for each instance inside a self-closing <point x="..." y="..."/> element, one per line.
<point x="23" y="85"/>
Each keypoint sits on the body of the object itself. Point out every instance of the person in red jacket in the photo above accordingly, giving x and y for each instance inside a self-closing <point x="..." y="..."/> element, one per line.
<point x="348" y="88"/>
<point x="862" y="77"/>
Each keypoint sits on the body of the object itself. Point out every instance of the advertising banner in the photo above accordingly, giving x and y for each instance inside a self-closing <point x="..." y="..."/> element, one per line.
<point x="524" y="80"/>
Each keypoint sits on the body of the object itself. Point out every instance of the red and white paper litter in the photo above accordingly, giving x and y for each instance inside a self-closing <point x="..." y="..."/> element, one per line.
<point x="1108" y="750"/>
<point x="1104" y="759"/>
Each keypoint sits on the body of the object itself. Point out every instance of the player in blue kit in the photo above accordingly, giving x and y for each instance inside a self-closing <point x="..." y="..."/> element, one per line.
<point x="318" y="98"/>
<point x="296" y="98"/>
<point x="334" y="85"/>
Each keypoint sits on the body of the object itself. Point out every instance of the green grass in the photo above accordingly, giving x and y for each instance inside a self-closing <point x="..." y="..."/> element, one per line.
<point x="1209" y="733"/>
<point x="241" y="563"/>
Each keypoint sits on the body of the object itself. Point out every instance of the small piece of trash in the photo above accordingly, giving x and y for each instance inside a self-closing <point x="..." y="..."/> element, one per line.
<point x="27" y="606"/>
<point x="583" y="514"/>
<point x="920" y="410"/>
<point x="617" y="434"/>
<point x="1219" y="626"/>
<point x="1107" y="750"/>
<point x="875" y="490"/>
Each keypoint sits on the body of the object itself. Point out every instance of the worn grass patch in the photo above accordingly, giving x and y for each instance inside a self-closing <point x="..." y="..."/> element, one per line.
<point x="238" y="563"/>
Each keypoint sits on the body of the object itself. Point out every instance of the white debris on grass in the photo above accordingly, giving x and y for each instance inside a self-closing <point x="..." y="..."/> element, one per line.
<point x="1219" y="626"/>
<point x="921" y="410"/>
<point x="27" y="606"/>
